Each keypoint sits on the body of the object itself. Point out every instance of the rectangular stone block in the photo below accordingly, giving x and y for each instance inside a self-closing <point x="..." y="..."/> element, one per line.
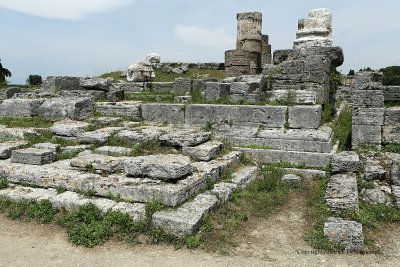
<point x="74" y="108"/>
<point x="159" y="86"/>
<point x="391" y="134"/>
<point x="366" y="135"/>
<point x="20" y="107"/>
<point x="305" y="117"/>
<point x="216" y="90"/>
<point x="182" y="86"/>
<point x="203" y="152"/>
<point x="392" y="116"/>
<point x="54" y="84"/>
<point x="392" y="93"/>
<point x="299" y="96"/>
<point x="368" y="116"/>
<point x="342" y="193"/>
<point x="243" y="88"/>
<point x="346" y="233"/>
<point x="267" y="116"/>
<point x="7" y="147"/>
<point x="164" y="113"/>
<point x="367" y="99"/>
<point x="33" y="156"/>
<point x="129" y="109"/>
<point x="129" y="87"/>
<point x="186" y="220"/>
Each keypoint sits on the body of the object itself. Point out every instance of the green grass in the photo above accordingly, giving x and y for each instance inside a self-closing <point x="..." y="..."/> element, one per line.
<point x="342" y="128"/>
<point x="3" y="183"/>
<point x="44" y="136"/>
<point x="25" y="122"/>
<point x="393" y="148"/>
<point x="263" y="197"/>
<point x="328" y="113"/>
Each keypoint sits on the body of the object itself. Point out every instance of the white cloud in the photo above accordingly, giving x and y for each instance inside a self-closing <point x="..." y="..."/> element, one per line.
<point x="62" y="9"/>
<point x="217" y="37"/>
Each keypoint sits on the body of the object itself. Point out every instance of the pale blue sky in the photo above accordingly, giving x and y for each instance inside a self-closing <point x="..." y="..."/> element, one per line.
<point x="76" y="37"/>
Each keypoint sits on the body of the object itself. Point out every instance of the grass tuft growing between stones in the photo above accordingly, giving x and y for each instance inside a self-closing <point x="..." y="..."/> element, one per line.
<point x="3" y="183"/>
<point x="26" y="122"/>
<point x="263" y="197"/>
<point x="342" y="127"/>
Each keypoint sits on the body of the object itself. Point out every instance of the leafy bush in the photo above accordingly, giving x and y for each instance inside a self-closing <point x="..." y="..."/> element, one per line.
<point x="391" y="75"/>
<point x="34" y="80"/>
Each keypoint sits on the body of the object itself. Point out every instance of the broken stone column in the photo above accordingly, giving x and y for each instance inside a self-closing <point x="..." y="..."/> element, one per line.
<point x="249" y="31"/>
<point x="252" y="48"/>
<point x="315" y="30"/>
<point x="140" y="72"/>
<point x="266" y="56"/>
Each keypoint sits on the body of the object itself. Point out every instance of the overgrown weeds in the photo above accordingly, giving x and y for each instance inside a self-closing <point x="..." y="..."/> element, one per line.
<point x="26" y="122"/>
<point x="342" y="127"/>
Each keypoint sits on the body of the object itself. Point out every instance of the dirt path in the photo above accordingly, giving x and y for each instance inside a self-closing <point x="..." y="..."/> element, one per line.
<point x="277" y="241"/>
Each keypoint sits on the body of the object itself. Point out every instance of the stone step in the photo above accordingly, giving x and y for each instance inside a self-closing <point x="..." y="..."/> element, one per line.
<point x="71" y="200"/>
<point x="203" y="152"/>
<point x="131" y="109"/>
<point x="7" y="147"/>
<point x="33" y="156"/>
<point x="303" y="140"/>
<point x="346" y="233"/>
<point x="136" y="189"/>
<point x="309" y="159"/>
<point x="342" y="193"/>
<point x="187" y="218"/>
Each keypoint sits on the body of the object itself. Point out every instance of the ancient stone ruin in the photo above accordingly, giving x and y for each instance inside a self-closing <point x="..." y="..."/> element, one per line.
<point x="272" y="114"/>
<point x="252" y="47"/>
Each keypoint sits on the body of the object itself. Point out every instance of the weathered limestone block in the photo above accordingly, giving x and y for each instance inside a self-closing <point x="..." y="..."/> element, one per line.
<point x="106" y="121"/>
<point x="74" y="149"/>
<point x="186" y="219"/>
<point x="69" y="201"/>
<point x="366" y="135"/>
<point x="115" y="95"/>
<point x="66" y="108"/>
<point x="60" y="83"/>
<point x="216" y="90"/>
<point x="396" y="195"/>
<point x="182" y="86"/>
<point x="392" y="93"/>
<point x="268" y="116"/>
<point x="50" y="146"/>
<point x="374" y="171"/>
<point x="164" y="113"/>
<point x="98" y="136"/>
<point x="140" y="72"/>
<point x="291" y="179"/>
<point x="305" y="117"/>
<point x="103" y="204"/>
<point x="224" y="191"/>
<point x="16" y="107"/>
<point x="199" y="85"/>
<point x="240" y="62"/>
<point x="103" y="163"/>
<point x="244" y="176"/>
<point x="203" y="152"/>
<point x="153" y="58"/>
<point x="391" y="127"/>
<point x="115" y="151"/>
<point x="368" y="116"/>
<point x="185" y="138"/>
<point x="93" y="83"/>
<point x="346" y="233"/>
<point x="135" y="210"/>
<point x="129" y="87"/>
<point x="299" y="96"/>
<point x="367" y="99"/>
<point x="20" y="193"/>
<point x="159" y="86"/>
<point x="342" y="194"/>
<point x="164" y="167"/>
<point x="381" y="194"/>
<point x="121" y="109"/>
<point x="34" y="156"/>
<point x="368" y="79"/>
<point x="17" y="133"/>
<point x="69" y="128"/>
<point x="141" y="135"/>
<point x="346" y="161"/>
<point x="7" y="147"/>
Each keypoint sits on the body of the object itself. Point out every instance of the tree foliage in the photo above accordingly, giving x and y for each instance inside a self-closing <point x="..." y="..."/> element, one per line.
<point x="4" y="73"/>
<point x="391" y="75"/>
<point x="34" y="80"/>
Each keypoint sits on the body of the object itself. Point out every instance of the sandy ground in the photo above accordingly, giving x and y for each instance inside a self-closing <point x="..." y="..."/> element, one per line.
<point x="277" y="241"/>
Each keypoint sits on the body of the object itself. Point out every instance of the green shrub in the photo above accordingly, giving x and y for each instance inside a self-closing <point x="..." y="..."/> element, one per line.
<point x="42" y="211"/>
<point x="89" y="235"/>
<point x="34" y="80"/>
